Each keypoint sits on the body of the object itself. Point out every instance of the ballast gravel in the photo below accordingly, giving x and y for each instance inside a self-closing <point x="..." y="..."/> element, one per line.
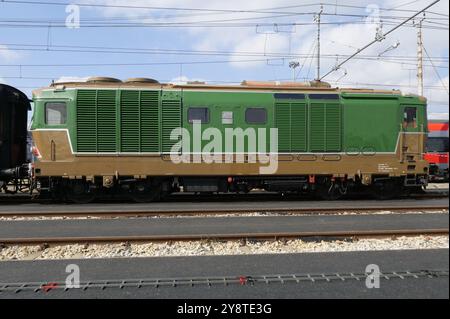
<point x="209" y="215"/>
<point x="211" y="248"/>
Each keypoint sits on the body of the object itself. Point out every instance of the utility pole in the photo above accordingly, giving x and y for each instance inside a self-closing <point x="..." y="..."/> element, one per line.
<point x="317" y="19"/>
<point x="420" y="57"/>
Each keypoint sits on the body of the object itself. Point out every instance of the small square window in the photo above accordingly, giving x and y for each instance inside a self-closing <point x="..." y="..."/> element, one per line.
<point x="256" y="116"/>
<point x="55" y="113"/>
<point x="227" y="117"/>
<point x="198" y="114"/>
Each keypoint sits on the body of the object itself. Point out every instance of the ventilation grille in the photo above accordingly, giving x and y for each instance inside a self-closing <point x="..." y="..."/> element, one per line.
<point x="130" y="121"/>
<point x="150" y="127"/>
<point x="171" y="119"/>
<point x="325" y="127"/>
<point x="103" y="124"/>
<point x="87" y="121"/>
<point x="290" y="119"/>
<point x="106" y="121"/>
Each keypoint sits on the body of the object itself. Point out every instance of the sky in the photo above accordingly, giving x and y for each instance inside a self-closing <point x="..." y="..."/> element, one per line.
<point x="225" y="42"/>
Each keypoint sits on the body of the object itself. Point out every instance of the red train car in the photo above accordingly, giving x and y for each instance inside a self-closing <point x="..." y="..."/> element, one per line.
<point x="437" y="150"/>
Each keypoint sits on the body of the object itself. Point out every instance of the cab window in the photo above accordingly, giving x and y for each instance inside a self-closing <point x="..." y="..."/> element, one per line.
<point x="55" y="113"/>
<point x="410" y="117"/>
<point x="200" y="114"/>
<point x="256" y="116"/>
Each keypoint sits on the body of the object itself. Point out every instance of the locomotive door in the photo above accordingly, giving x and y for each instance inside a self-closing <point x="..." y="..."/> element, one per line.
<point x="410" y="133"/>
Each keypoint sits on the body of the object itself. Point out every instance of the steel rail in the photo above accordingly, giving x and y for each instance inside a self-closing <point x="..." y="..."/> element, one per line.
<point x="236" y="236"/>
<point x="199" y="212"/>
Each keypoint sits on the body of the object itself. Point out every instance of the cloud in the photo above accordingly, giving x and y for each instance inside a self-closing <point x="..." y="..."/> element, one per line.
<point x="261" y="43"/>
<point x="184" y="80"/>
<point x="8" y="55"/>
<point x="71" y="79"/>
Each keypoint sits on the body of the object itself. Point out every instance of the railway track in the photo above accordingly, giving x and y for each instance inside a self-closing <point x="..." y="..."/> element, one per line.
<point x="168" y="213"/>
<point x="219" y="205"/>
<point x="228" y="228"/>
<point x="253" y="196"/>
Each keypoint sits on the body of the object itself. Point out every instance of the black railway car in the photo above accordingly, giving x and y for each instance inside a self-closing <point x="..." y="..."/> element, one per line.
<point x="14" y="107"/>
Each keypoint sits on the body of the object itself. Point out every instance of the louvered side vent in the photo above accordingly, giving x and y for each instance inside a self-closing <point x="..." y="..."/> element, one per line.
<point x="291" y="121"/>
<point x="333" y="128"/>
<point x="150" y="122"/>
<point x="283" y="124"/>
<point x="317" y="127"/>
<point x="171" y="119"/>
<point x="86" y="121"/>
<point x="106" y="121"/>
<point x="299" y="142"/>
<point x="129" y="121"/>
<point x="326" y="127"/>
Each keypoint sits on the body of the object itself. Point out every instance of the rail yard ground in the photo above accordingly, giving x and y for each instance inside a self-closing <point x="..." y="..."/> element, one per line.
<point x="405" y="274"/>
<point x="143" y="242"/>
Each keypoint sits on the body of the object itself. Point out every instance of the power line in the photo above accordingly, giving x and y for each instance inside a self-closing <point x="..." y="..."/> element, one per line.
<point x="435" y="70"/>
<point x="134" y="64"/>
<point x="96" y="5"/>
<point x="129" y="50"/>
<point x="215" y="25"/>
<point x="198" y="62"/>
<point x="150" y="7"/>
<point x="378" y="39"/>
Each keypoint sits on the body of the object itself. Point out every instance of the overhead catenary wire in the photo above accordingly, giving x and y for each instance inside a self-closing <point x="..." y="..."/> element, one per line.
<point x="437" y="59"/>
<point x="129" y="50"/>
<point x="188" y="9"/>
<point x="378" y="39"/>
<point x="436" y="71"/>
<point x="225" y="23"/>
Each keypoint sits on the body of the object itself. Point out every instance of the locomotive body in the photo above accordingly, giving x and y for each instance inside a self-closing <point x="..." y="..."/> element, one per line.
<point x="147" y="139"/>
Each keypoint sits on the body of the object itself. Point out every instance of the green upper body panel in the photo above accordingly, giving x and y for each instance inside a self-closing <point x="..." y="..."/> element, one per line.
<point x="141" y="120"/>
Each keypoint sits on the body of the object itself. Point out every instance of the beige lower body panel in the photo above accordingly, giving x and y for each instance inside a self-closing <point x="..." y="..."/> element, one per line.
<point x="58" y="160"/>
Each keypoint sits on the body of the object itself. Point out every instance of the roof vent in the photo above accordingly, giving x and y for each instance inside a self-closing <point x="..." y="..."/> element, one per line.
<point x="101" y="79"/>
<point x="141" y="80"/>
<point x="196" y="82"/>
<point x="286" y="84"/>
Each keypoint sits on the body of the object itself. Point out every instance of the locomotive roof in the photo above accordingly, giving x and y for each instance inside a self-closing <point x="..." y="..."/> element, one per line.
<point x="312" y="86"/>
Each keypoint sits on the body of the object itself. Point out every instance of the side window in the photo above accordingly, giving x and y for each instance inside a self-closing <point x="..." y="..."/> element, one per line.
<point x="256" y="116"/>
<point x="227" y="117"/>
<point x="55" y="113"/>
<point x="410" y="117"/>
<point x="198" y="114"/>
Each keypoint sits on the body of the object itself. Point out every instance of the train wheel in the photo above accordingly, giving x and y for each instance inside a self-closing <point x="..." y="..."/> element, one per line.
<point x="78" y="192"/>
<point x="329" y="191"/>
<point x="386" y="190"/>
<point x="145" y="192"/>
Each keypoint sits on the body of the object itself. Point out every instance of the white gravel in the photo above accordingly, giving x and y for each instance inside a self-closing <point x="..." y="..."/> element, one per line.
<point x="200" y="214"/>
<point x="204" y="248"/>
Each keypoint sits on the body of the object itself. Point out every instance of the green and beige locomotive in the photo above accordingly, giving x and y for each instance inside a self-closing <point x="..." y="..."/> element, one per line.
<point x="142" y="139"/>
